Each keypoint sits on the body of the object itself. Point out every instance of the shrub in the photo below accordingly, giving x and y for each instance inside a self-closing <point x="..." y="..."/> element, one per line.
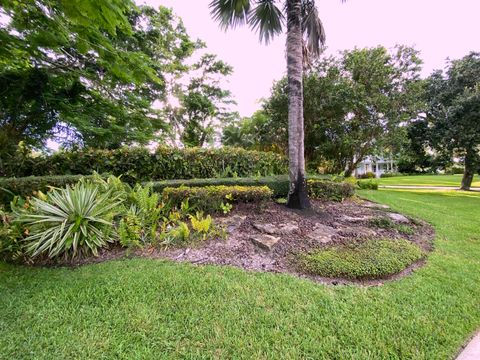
<point x="28" y="186"/>
<point x="71" y="221"/>
<point x="329" y="190"/>
<point x="210" y="198"/>
<point x="278" y="184"/>
<point x="10" y="243"/>
<point x="455" y="170"/>
<point x="367" y="175"/>
<point x="139" y="164"/>
<point x="369" y="184"/>
<point x="372" y="259"/>
<point x="390" y="174"/>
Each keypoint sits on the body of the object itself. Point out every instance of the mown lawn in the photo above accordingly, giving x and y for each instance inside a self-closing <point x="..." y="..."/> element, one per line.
<point x="427" y="180"/>
<point x="151" y="309"/>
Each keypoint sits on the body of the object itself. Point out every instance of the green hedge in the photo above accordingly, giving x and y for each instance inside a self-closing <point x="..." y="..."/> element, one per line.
<point x="209" y="198"/>
<point x="139" y="164"/>
<point x="27" y="186"/>
<point x="319" y="186"/>
<point x="330" y="190"/>
<point x="278" y="184"/>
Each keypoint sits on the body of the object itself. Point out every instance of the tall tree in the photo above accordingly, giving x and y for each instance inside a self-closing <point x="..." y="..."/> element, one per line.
<point x="355" y="104"/>
<point x="89" y="70"/>
<point x="305" y="36"/>
<point x="204" y="106"/>
<point x="453" y="115"/>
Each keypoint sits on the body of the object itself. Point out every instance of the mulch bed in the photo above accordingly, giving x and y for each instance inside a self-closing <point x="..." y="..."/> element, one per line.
<point x="350" y="219"/>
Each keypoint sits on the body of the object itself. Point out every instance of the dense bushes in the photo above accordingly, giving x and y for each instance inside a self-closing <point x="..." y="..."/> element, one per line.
<point x="214" y="198"/>
<point x="27" y="186"/>
<point x="279" y="185"/>
<point x="138" y="164"/>
<point x="371" y="259"/>
<point x="369" y="184"/>
<point x="367" y="175"/>
<point x="330" y="190"/>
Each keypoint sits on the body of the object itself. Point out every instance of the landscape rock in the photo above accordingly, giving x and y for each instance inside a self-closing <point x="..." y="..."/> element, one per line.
<point x="231" y="223"/>
<point x="273" y="229"/>
<point x="355" y="219"/>
<point x="357" y="232"/>
<point x="370" y="204"/>
<point x="322" y="233"/>
<point x="399" y="218"/>
<point x="264" y="241"/>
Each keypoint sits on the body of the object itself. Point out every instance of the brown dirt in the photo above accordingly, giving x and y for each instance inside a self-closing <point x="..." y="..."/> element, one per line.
<point x="238" y="250"/>
<point x="349" y="219"/>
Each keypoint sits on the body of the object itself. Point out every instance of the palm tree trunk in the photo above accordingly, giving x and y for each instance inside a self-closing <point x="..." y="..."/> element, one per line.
<point x="297" y="196"/>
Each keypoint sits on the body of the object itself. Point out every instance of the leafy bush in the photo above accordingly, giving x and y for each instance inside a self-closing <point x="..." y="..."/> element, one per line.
<point x="367" y="175"/>
<point x="329" y="190"/>
<point x="71" y="221"/>
<point x="28" y="186"/>
<point x="390" y="174"/>
<point x="278" y="184"/>
<point x="139" y="164"/>
<point x="372" y="259"/>
<point x="10" y="238"/>
<point x="455" y="170"/>
<point x="369" y="184"/>
<point x="210" y="198"/>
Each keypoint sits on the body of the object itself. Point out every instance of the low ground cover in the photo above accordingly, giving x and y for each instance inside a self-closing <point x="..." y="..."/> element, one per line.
<point x="141" y="308"/>
<point x="427" y="180"/>
<point x="371" y="259"/>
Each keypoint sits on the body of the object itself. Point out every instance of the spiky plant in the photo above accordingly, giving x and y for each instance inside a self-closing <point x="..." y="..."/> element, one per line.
<point x="69" y="222"/>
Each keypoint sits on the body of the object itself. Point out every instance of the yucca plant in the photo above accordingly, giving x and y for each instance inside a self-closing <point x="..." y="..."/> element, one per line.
<point x="72" y="221"/>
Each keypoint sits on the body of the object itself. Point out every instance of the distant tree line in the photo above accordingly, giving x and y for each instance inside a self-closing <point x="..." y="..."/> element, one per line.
<point x="373" y="102"/>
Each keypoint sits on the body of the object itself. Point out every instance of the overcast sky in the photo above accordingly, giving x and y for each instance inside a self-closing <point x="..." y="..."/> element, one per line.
<point x="438" y="28"/>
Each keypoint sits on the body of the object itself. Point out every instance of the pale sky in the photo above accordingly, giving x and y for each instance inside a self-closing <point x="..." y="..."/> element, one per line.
<point x="438" y="28"/>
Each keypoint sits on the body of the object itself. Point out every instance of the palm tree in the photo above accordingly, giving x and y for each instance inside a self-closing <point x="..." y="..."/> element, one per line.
<point x="305" y="38"/>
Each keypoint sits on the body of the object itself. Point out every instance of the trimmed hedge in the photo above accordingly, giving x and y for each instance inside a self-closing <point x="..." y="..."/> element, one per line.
<point x="209" y="198"/>
<point x="330" y="190"/>
<point x="369" y="184"/>
<point x="139" y="164"/>
<point x="279" y="184"/>
<point x="319" y="186"/>
<point x="27" y="186"/>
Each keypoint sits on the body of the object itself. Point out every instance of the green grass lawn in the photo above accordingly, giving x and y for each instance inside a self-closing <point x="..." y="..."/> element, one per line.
<point x="427" y="180"/>
<point x="151" y="309"/>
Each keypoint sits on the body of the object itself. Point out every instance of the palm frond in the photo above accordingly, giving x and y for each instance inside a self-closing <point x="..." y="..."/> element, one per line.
<point x="267" y="19"/>
<point x="312" y="28"/>
<point x="230" y="13"/>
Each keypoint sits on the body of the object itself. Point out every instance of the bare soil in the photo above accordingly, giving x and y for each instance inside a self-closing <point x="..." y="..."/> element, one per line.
<point x="345" y="222"/>
<point x="350" y="220"/>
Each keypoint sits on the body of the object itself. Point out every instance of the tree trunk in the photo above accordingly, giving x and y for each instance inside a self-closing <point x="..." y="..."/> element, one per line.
<point x="469" y="171"/>
<point x="297" y="195"/>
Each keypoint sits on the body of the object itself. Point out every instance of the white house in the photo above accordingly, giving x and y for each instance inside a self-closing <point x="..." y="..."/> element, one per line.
<point x="375" y="164"/>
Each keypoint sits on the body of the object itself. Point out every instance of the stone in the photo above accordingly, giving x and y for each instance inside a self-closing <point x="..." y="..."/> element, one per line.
<point x="322" y="233"/>
<point x="375" y="205"/>
<point x="357" y="232"/>
<point x="354" y="219"/>
<point x="273" y="229"/>
<point x="231" y="223"/>
<point x="399" y="218"/>
<point x="264" y="241"/>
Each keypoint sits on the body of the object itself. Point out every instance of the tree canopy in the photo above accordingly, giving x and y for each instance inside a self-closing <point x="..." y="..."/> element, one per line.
<point x="355" y="105"/>
<point x="453" y="113"/>
<point x="88" y="73"/>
